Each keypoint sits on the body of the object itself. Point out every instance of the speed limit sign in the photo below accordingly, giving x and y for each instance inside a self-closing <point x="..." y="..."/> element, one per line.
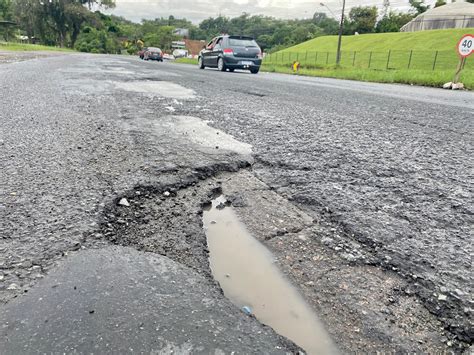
<point x="466" y="46"/>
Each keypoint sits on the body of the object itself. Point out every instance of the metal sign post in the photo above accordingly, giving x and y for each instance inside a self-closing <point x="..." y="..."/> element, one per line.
<point x="465" y="48"/>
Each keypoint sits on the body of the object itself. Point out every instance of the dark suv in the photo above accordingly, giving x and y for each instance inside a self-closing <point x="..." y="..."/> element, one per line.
<point x="231" y="52"/>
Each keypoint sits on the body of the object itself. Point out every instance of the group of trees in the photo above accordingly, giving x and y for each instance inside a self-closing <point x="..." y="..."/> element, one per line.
<point x="270" y="33"/>
<point x="366" y="20"/>
<point x="53" y="22"/>
<point x="72" y="23"/>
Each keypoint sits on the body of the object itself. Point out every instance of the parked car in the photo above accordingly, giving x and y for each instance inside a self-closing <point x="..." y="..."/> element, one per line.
<point x="230" y="53"/>
<point x="141" y="52"/>
<point x="153" y="53"/>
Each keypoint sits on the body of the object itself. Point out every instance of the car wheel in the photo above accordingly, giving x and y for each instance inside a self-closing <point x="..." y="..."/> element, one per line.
<point x="254" y="70"/>
<point x="200" y="63"/>
<point x="231" y="70"/>
<point x="221" y="65"/>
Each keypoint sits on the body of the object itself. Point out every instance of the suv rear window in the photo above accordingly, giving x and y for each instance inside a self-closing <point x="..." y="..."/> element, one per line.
<point x="237" y="42"/>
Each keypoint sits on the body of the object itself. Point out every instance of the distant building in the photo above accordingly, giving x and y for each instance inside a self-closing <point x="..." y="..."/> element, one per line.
<point x="181" y="32"/>
<point x="193" y="47"/>
<point x="454" y="15"/>
<point x="178" y="45"/>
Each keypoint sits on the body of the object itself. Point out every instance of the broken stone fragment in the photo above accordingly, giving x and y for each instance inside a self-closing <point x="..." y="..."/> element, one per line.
<point x="457" y="86"/>
<point x="124" y="202"/>
<point x="27" y="264"/>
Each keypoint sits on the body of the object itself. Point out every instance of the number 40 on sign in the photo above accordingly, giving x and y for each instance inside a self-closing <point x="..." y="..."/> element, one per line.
<point x="466" y="46"/>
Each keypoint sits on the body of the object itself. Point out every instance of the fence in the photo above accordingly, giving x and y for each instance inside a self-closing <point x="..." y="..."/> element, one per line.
<point x="388" y="60"/>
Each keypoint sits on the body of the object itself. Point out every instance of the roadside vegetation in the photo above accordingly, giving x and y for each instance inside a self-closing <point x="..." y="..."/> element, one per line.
<point x="73" y="24"/>
<point x="441" y="40"/>
<point x="366" y="58"/>
<point x="187" y="60"/>
<point x="372" y="55"/>
<point x="12" y="46"/>
<point x="414" y="77"/>
<point x="387" y="57"/>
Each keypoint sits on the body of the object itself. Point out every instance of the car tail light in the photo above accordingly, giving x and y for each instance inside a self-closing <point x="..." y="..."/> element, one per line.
<point x="228" y="51"/>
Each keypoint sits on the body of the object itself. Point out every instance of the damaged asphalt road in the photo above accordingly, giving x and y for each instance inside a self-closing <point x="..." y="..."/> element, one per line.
<point x="362" y="191"/>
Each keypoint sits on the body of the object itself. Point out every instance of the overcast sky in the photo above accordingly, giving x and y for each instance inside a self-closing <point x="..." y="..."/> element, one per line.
<point x="198" y="10"/>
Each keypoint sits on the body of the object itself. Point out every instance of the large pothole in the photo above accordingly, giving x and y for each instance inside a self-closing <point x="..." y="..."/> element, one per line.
<point x="247" y="273"/>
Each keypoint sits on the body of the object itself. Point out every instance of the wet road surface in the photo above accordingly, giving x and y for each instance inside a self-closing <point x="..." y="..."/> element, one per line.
<point x="386" y="170"/>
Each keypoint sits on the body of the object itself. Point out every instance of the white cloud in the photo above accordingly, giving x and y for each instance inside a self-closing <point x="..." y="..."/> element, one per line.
<point x="197" y="10"/>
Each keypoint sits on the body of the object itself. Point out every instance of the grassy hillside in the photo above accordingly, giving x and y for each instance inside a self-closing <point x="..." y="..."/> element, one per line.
<point x="436" y="40"/>
<point x="424" y="57"/>
<point x="10" y="46"/>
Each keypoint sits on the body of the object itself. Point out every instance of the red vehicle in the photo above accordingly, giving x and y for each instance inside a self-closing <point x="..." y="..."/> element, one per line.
<point x="141" y="52"/>
<point x="153" y="53"/>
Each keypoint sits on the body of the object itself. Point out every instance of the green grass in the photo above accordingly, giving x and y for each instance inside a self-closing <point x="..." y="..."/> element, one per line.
<point x="11" y="46"/>
<point x="187" y="61"/>
<point x="422" y="58"/>
<point x="415" y="77"/>
<point x="423" y="50"/>
<point x="441" y="40"/>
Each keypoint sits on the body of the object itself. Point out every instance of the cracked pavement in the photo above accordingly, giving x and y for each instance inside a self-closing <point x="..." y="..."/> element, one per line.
<point x="380" y="175"/>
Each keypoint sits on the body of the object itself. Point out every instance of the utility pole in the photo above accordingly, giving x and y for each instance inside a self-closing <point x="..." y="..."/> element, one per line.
<point x="338" y="57"/>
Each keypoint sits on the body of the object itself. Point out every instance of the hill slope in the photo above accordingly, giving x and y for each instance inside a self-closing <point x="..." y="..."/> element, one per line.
<point x="436" y="40"/>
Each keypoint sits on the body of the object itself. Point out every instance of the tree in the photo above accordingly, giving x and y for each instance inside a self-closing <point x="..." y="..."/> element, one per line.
<point x="6" y="12"/>
<point x="393" y="21"/>
<point x="197" y="33"/>
<point x="72" y="23"/>
<point x="56" y="22"/>
<point x="96" y="41"/>
<point x="440" y="3"/>
<point x="363" y="19"/>
<point x="161" y="37"/>
<point x="76" y="16"/>
<point x="239" y="24"/>
<point x="386" y="7"/>
<point x="107" y="4"/>
<point x="214" y="27"/>
<point x="327" y="24"/>
<point x="419" y="6"/>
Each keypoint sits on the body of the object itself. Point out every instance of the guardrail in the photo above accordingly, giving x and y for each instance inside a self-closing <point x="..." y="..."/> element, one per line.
<point x="388" y="60"/>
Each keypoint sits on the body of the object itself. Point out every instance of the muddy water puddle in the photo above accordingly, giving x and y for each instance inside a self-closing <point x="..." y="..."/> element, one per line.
<point x="249" y="277"/>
